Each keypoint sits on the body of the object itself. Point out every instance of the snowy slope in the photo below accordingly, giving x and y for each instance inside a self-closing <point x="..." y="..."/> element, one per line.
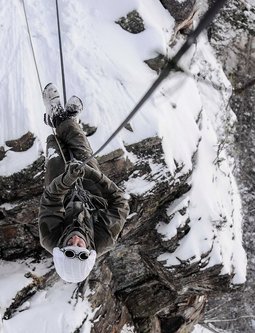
<point x="104" y="65"/>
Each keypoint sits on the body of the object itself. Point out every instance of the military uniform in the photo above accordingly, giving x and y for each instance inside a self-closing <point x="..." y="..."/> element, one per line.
<point x="62" y="213"/>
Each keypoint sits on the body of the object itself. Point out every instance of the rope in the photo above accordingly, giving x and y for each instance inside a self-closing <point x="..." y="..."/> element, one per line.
<point x="61" y="54"/>
<point x="38" y="76"/>
<point x="171" y="64"/>
<point x="31" y="44"/>
<point x="59" y="146"/>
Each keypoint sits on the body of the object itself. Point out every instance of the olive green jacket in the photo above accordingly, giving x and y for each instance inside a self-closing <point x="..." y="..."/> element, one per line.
<point x="58" y="211"/>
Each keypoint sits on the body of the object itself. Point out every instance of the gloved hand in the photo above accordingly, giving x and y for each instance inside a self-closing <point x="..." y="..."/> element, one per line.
<point x="75" y="169"/>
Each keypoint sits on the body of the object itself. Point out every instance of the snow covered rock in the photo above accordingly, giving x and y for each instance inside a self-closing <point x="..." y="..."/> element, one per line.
<point x="183" y="238"/>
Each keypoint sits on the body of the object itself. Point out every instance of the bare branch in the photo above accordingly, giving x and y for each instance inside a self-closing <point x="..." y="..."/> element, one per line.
<point x="27" y="292"/>
<point x="230" y="319"/>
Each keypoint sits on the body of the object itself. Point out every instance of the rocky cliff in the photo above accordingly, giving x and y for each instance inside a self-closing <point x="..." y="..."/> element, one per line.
<point x="179" y="246"/>
<point x="235" y="311"/>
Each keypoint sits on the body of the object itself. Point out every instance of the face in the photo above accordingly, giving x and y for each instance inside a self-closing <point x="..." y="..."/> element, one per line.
<point x="76" y="241"/>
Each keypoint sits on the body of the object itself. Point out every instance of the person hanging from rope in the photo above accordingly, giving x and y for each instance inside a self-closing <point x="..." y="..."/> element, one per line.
<point x="82" y="212"/>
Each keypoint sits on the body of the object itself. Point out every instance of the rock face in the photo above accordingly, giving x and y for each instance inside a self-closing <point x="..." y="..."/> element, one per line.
<point x="233" y="37"/>
<point x="21" y="144"/>
<point x="18" y="145"/>
<point x="129" y="284"/>
<point x="180" y="10"/>
<point x="19" y="230"/>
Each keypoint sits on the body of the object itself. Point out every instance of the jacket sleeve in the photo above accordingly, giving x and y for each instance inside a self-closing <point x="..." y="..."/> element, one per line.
<point x="111" y="220"/>
<point x="51" y="213"/>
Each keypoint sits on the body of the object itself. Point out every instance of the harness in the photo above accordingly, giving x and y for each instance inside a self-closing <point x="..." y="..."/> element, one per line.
<point x="81" y="213"/>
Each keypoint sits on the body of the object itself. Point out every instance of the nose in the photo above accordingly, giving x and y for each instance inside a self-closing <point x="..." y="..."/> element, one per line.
<point x="76" y="241"/>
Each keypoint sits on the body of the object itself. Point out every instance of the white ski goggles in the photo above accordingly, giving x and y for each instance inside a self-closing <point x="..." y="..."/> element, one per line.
<point x="71" y="254"/>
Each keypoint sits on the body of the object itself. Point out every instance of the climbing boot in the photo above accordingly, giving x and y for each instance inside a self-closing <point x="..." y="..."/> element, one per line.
<point x="73" y="107"/>
<point x="72" y="110"/>
<point x="51" y="99"/>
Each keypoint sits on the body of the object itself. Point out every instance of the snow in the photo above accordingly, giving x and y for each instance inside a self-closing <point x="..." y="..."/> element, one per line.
<point x="52" y="153"/>
<point x="127" y="329"/>
<point x="50" y="318"/>
<point x="169" y="230"/>
<point x="104" y="66"/>
<point x="214" y="204"/>
<point x="8" y="206"/>
<point x="138" y="186"/>
<point x="201" y="329"/>
<point x="45" y="305"/>
<point x="215" y="226"/>
<point x="16" y="161"/>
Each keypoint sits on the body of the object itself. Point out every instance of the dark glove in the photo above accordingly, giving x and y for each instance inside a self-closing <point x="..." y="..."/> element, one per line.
<point x="75" y="169"/>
